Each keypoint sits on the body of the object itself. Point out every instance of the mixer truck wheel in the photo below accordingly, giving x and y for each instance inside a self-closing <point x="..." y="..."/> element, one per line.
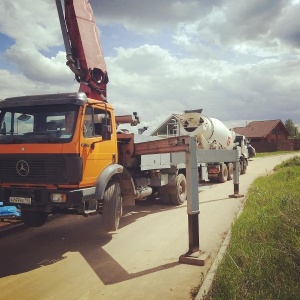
<point x="34" y="218"/>
<point x="178" y="191"/>
<point x="244" y="169"/>
<point x="230" y="171"/>
<point x="112" y="207"/>
<point x="223" y="175"/>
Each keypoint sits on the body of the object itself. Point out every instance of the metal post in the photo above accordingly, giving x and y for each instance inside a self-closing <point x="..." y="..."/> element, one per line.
<point x="193" y="256"/>
<point x="193" y="224"/>
<point x="236" y="177"/>
<point x="192" y="195"/>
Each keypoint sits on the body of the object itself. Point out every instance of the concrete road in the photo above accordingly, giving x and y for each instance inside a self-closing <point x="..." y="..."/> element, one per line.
<point x="73" y="258"/>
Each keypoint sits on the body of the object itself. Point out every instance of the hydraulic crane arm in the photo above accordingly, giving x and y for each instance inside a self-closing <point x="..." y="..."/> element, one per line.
<point x="83" y="49"/>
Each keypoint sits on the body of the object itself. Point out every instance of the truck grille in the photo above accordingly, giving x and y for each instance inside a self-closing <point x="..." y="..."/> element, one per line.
<point x="45" y="169"/>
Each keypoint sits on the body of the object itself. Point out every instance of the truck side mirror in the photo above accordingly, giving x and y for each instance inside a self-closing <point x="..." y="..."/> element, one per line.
<point x="106" y="133"/>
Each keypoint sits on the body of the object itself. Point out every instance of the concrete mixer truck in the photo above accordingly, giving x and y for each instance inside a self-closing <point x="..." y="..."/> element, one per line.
<point x="211" y="134"/>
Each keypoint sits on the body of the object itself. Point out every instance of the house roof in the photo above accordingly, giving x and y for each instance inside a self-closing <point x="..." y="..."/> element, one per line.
<point x="259" y="129"/>
<point x="238" y="129"/>
<point x="162" y="127"/>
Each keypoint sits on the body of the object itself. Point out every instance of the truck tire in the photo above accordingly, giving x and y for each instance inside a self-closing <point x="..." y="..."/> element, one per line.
<point x="178" y="191"/>
<point x="164" y="195"/>
<point x="223" y="175"/>
<point x="33" y="218"/>
<point x="230" y="171"/>
<point x="112" y="207"/>
<point x="240" y="167"/>
<point x="244" y="168"/>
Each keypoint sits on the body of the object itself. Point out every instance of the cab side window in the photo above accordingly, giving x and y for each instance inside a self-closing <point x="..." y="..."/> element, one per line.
<point x="94" y="120"/>
<point x="88" y="125"/>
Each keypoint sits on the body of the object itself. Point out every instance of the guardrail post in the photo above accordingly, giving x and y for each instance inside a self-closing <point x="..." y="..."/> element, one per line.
<point x="236" y="177"/>
<point x="194" y="256"/>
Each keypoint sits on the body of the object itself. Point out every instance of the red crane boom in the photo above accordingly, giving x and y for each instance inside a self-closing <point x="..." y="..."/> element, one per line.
<point x="83" y="49"/>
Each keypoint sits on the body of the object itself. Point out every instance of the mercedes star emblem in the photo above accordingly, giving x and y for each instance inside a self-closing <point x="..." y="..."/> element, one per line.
<point x="22" y="167"/>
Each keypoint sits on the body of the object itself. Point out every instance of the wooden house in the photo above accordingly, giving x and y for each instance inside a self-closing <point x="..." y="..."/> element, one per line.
<point x="266" y="136"/>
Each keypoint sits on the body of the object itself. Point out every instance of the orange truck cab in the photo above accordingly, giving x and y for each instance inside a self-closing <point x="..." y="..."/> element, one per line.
<point x="58" y="153"/>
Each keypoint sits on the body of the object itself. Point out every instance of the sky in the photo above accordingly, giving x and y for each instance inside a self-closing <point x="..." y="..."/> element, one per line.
<point x="236" y="60"/>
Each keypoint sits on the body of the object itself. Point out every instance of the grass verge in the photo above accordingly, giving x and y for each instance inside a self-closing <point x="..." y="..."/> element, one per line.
<point x="263" y="259"/>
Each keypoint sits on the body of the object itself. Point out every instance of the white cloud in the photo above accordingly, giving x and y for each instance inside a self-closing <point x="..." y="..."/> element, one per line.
<point x="38" y="67"/>
<point x="14" y="85"/>
<point x="165" y="84"/>
<point x="150" y="16"/>
<point x="31" y="23"/>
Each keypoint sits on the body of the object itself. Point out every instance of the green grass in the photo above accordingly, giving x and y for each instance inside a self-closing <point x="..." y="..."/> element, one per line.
<point x="263" y="258"/>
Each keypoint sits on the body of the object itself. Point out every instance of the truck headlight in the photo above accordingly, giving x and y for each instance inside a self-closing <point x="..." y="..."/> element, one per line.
<point x="58" y="198"/>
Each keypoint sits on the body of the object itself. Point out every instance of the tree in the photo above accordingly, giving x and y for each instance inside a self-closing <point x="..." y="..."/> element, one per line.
<point x="292" y="128"/>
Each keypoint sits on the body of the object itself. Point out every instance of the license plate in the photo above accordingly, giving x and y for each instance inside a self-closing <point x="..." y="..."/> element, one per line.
<point x="20" y="200"/>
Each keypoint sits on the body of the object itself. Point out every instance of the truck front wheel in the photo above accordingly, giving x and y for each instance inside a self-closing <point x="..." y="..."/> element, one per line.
<point x="112" y="207"/>
<point x="244" y="167"/>
<point x="223" y="175"/>
<point x="230" y="171"/>
<point x="34" y="218"/>
<point x="178" y="191"/>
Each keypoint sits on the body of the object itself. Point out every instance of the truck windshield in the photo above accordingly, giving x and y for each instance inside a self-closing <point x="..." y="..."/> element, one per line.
<point x="38" y="124"/>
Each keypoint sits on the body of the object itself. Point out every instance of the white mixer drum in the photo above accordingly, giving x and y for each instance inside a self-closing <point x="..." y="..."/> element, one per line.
<point x="216" y="134"/>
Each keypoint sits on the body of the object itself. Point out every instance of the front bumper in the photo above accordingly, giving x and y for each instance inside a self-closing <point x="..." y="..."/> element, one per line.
<point x="40" y="198"/>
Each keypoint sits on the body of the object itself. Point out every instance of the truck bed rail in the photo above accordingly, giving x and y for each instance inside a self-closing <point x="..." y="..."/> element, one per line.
<point x="167" y="145"/>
